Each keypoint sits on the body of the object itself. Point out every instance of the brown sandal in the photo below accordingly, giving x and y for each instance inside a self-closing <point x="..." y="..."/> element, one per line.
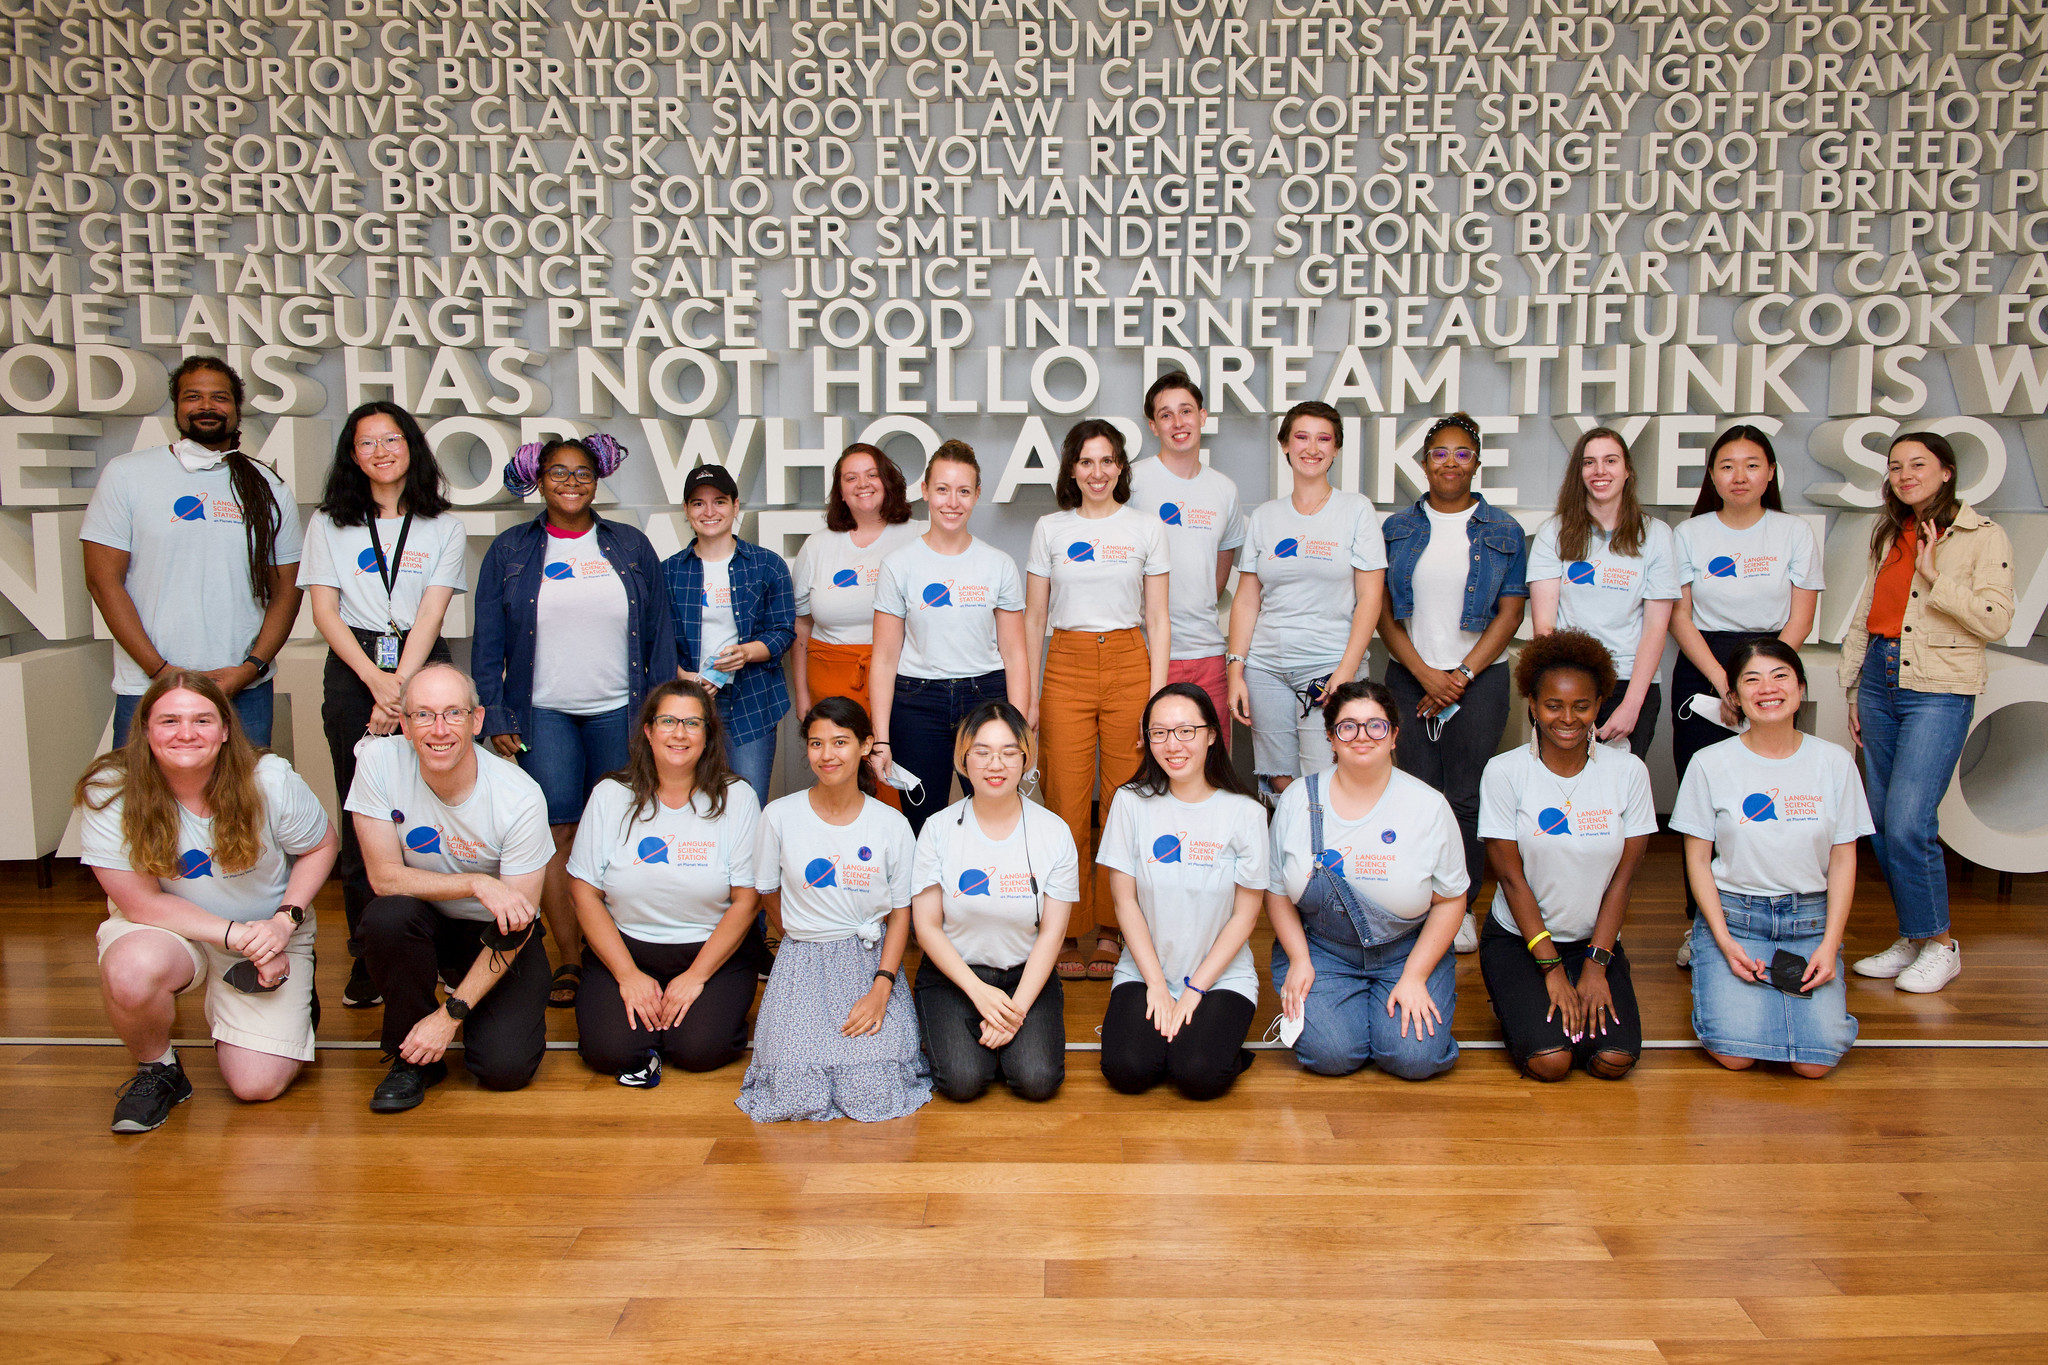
<point x="1102" y="965"/>
<point x="1069" y="964"/>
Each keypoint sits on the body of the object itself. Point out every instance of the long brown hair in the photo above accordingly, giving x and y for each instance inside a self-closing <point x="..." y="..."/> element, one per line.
<point x="895" y="493"/>
<point x="149" y="813"/>
<point x="261" y="515"/>
<point x="1897" y="515"/>
<point x="1066" y="489"/>
<point x="1574" y="508"/>
<point x="847" y="714"/>
<point x="641" y="776"/>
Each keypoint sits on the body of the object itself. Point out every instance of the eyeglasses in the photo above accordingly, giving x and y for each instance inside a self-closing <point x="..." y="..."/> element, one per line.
<point x="1375" y="728"/>
<point x="561" y="473"/>
<point x="982" y="756"/>
<point x="1159" y="734"/>
<point x="453" y="716"/>
<point x="668" y="725"/>
<point x="1446" y="454"/>
<point x="370" y="445"/>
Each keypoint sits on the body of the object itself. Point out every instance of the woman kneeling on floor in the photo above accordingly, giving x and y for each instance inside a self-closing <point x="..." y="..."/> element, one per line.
<point x="662" y="877"/>
<point x="1368" y="889"/>
<point x="1771" y="819"/>
<point x="996" y="878"/>
<point x="1566" y="821"/>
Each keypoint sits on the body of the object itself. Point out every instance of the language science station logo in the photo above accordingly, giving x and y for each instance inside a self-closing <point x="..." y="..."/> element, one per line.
<point x="430" y="841"/>
<point x="200" y="507"/>
<point x="1760" y="806"/>
<point x="1192" y="518"/>
<point x="412" y="561"/>
<point x="1748" y="566"/>
<point x="195" y="862"/>
<point x="841" y="873"/>
<point x="660" y="852"/>
<point x="1095" y="552"/>
<point x="1178" y="848"/>
<point x="1551" y="820"/>
<point x="1321" y="551"/>
<point x="953" y="593"/>
<point x="1582" y="572"/>
<point x="1778" y="804"/>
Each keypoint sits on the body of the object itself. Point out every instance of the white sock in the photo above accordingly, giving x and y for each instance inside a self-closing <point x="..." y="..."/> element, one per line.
<point x="170" y="1058"/>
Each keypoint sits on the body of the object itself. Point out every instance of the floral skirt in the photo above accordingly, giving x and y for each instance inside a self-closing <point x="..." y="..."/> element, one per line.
<point x="805" y="1068"/>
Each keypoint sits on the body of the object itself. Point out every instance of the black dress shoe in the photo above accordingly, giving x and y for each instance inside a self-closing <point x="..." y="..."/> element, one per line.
<point x="405" y="1085"/>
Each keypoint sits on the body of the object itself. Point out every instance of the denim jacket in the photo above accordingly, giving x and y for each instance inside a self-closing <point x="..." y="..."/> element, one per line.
<point x="507" y="608"/>
<point x="763" y="608"/>
<point x="1500" y="561"/>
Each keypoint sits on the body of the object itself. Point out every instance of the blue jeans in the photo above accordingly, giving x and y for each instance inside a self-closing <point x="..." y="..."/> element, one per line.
<point x="252" y="704"/>
<point x="1911" y="744"/>
<point x="568" y="754"/>
<point x="1751" y="1019"/>
<point x="926" y="713"/>
<point x="1345" y="1023"/>
<point x="754" y="761"/>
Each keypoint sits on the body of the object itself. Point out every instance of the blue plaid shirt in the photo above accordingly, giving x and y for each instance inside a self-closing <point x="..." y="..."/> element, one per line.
<point x="763" y="608"/>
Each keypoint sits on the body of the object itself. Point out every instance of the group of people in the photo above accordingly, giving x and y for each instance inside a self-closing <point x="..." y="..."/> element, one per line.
<point x="599" y="778"/>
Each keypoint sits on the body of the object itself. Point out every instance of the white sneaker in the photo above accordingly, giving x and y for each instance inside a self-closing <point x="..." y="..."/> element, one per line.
<point x="1889" y="963"/>
<point x="1684" y="958"/>
<point x="1467" y="940"/>
<point x="1937" y="965"/>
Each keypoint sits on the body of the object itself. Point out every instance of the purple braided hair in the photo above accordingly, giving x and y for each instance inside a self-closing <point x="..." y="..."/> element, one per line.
<point x="522" y="471"/>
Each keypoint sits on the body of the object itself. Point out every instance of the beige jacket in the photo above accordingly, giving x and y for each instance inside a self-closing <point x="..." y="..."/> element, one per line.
<point x="1941" y="648"/>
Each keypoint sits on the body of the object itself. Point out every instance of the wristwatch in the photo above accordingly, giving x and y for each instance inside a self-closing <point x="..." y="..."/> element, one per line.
<point x="1461" y="668"/>
<point x="458" y="1009"/>
<point x="1600" y="955"/>
<point x="296" y="914"/>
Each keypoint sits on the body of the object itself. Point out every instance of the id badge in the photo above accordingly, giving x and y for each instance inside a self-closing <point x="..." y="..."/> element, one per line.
<point x="387" y="652"/>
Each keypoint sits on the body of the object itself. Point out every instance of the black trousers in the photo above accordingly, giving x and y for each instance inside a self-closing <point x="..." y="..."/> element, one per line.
<point x="1646" y="719"/>
<point x="1204" y="1059"/>
<point x="1455" y="761"/>
<point x="1033" y="1063"/>
<point x="1521" y="998"/>
<point x="1690" y="733"/>
<point x="711" y="1034"/>
<point x="345" y="707"/>
<point x="408" y="945"/>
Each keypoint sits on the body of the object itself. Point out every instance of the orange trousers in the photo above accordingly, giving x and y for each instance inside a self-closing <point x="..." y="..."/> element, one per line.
<point x="842" y="671"/>
<point x="1092" y="701"/>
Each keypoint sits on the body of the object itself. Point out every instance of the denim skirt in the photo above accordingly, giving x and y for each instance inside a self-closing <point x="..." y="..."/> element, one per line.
<point x="1748" y="1019"/>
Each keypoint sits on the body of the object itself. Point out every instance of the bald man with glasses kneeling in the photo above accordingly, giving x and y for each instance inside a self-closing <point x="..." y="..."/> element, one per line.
<point x="455" y="840"/>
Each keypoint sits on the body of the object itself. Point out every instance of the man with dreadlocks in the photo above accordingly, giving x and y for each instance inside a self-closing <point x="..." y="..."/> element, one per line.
<point x="191" y="552"/>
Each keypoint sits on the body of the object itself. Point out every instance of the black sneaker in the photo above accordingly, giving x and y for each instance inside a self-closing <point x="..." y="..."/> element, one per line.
<point x="360" y="993"/>
<point x="148" y="1097"/>
<point x="647" y="1076"/>
<point x="405" y="1086"/>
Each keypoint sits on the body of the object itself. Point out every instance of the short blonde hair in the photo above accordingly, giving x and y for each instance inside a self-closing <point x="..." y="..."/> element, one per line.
<point x="984" y="714"/>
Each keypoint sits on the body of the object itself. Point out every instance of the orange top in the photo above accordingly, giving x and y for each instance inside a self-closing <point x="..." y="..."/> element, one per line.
<point x="1888" y="596"/>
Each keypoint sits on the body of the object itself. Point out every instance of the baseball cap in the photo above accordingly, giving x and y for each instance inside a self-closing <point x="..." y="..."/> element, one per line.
<point x="713" y="474"/>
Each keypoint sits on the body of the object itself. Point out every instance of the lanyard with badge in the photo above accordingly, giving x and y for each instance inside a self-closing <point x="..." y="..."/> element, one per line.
<point x="386" y="657"/>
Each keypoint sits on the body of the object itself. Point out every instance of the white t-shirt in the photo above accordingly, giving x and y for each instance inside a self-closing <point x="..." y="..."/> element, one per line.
<point x="1098" y="567"/>
<point x="1743" y="580"/>
<point x="1188" y="862"/>
<point x="293" y="823"/>
<point x="1603" y="594"/>
<point x="837" y="881"/>
<point x="718" y="625"/>
<point x="579" y="644"/>
<point x="991" y="912"/>
<point x="1439" y="587"/>
<point x="948" y="604"/>
<point x="1306" y="591"/>
<point x="1202" y="518"/>
<point x="1403" y="854"/>
<point x="188" y="558"/>
<point x="667" y="877"/>
<point x="342" y="558"/>
<point x="835" y="581"/>
<point x="1571" y="831"/>
<point x="500" y="829"/>
<point x="1773" y="820"/>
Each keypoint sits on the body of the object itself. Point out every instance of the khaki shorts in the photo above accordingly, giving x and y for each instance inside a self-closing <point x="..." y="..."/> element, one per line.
<point x="279" y="1023"/>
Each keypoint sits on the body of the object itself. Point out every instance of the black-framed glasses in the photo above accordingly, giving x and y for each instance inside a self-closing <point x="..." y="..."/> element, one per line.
<point x="1159" y="734"/>
<point x="561" y="473"/>
<point x="1372" y="728"/>
<point x="453" y="716"/>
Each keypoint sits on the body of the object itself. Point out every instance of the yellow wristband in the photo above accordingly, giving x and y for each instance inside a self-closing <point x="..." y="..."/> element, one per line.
<point x="1538" y="939"/>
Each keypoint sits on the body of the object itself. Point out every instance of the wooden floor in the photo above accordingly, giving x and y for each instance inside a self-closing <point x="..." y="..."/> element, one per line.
<point x="1890" y="1213"/>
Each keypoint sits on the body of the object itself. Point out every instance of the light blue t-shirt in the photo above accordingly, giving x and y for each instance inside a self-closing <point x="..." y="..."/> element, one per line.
<point x="1306" y="591"/>
<point x="667" y="875"/>
<point x="188" y="558"/>
<point x="1603" y="593"/>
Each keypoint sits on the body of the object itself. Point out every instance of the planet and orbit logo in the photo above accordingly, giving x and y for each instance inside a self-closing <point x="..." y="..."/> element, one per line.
<point x="1287" y="549"/>
<point x="559" y="570"/>
<point x="846" y="578"/>
<point x="1760" y="806"/>
<point x="975" y="881"/>
<point x="1721" y="566"/>
<point x="1081" y="552"/>
<point x="1333" y="859"/>
<point x="651" y="850"/>
<point x="189" y="508"/>
<point x="1581" y="571"/>
<point x="1551" y="820"/>
<point x="425" y="839"/>
<point x="938" y="594"/>
<point x="1170" y="513"/>
<point x="1166" y="848"/>
<point x="195" y="862"/>
<point x="821" y="872"/>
